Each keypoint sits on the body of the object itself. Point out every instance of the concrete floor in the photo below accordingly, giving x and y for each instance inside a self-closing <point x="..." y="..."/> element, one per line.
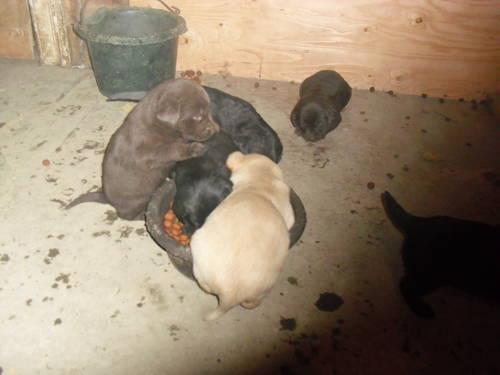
<point x="85" y="293"/>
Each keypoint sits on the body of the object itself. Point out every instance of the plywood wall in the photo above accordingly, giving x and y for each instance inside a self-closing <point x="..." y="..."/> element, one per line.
<point x="15" y="30"/>
<point x="436" y="47"/>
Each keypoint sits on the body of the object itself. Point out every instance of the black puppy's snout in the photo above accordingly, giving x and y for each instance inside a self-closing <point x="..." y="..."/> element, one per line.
<point x="312" y="137"/>
<point x="188" y="229"/>
<point x="310" y="117"/>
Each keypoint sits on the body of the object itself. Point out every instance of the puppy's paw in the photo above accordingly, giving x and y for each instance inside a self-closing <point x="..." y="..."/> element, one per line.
<point x="420" y="308"/>
<point x="197" y="149"/>
<point x="216" y="314"/>
<point x="250" y="305"/>
<point x="412" y="296"/>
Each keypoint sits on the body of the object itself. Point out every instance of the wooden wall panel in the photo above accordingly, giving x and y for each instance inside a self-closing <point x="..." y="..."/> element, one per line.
<point x="436" y="47"/>
<point x="50" y="33"/>
<point x="78" y="51"/>
<point x="16" y="38"/>
<point x="53" y="24"/>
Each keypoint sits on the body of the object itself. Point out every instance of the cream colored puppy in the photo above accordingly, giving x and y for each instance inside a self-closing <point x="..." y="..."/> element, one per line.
<point x="240" y="250"/>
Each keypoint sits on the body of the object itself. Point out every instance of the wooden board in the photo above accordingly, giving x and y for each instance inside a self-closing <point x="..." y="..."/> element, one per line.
<point x="16" y="39"/>
<point x="53" y="22"/>
<point x="446" y="47"/>
<point x="50" y="32"/>
<point x="79" y="56"/>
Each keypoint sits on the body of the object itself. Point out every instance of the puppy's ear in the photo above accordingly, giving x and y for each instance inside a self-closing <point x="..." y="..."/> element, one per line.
<point x="226" y="187"/>
<point x="234" y="160"/>
<point x="170" y="113"/>
<point x="294" y="116"/>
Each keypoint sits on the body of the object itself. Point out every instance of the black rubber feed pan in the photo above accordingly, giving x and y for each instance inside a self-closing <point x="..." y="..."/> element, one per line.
<point x="179" y="255"/>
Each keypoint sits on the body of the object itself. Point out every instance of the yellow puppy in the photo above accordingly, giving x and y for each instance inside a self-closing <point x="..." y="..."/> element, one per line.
<point x="240" y="250"/>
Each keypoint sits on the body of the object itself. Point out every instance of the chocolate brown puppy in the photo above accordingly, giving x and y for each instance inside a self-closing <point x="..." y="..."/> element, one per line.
<point x="322" y="97"/>
<point x="166" y="126"/>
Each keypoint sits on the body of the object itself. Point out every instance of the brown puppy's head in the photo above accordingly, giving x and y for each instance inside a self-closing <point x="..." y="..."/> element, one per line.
<point x="185" y="106"/>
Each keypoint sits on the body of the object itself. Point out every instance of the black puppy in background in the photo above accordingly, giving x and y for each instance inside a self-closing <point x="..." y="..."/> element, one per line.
<point x="322" y="97"/>
<point x="202" y="182"/>
<point x="443" y="251"/>
<point x="242" y="122"/>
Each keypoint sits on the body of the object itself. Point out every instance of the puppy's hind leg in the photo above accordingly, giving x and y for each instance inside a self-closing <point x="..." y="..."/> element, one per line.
<point x="254" y="301"/>
<point x="413" y="292"/>
<point x="226" y="302"/>
<point x="251" y="304"/>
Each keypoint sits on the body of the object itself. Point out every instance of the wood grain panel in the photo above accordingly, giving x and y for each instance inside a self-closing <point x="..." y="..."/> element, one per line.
<point x="50" y="34"/>
<point x="16" y="39"/>
<point x="436" y="47"/>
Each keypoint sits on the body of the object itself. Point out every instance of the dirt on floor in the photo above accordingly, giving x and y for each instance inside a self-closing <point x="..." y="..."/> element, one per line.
<point x="84" y="292"/>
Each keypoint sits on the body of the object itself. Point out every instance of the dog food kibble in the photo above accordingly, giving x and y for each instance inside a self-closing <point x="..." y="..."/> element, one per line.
<point x="184" y="238"/>
<point x="46" y="163"/>
<point x="370" y="185"/>
<point x="173" y="227"/>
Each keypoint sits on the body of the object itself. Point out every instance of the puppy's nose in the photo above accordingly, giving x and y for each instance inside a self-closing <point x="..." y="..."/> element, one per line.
<point x="310" y="137"/>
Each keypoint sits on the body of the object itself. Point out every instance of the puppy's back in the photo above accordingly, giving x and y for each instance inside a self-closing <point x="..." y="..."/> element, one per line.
<point x="244" y="226"/>
<point x="245" y="125"/>
<point x="240" y="250"/>
<point x="327" y="83"/>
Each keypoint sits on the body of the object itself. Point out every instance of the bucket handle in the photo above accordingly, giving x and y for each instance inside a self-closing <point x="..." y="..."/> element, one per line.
<point x="171" y="9"/>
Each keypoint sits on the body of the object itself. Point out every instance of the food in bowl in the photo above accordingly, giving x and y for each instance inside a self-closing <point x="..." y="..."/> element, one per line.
<point x="173" y="227"/>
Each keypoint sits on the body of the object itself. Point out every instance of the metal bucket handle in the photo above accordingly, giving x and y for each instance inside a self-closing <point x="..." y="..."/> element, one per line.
<point x="171" y="9"/>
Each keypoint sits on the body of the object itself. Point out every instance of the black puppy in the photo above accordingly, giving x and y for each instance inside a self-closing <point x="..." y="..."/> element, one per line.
<point x="443" y="251"/>
<point x="202" y="182"/>
<point x="242" y="122"/>
<point x="322" y="97"/>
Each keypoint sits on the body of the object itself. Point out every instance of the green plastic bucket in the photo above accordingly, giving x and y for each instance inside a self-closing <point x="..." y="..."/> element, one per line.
<point x="131" y="49"/>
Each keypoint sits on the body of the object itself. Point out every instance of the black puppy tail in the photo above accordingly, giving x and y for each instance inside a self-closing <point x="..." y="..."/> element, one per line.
<point x="397" y="214"/>
<point x="93" y="196"/>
